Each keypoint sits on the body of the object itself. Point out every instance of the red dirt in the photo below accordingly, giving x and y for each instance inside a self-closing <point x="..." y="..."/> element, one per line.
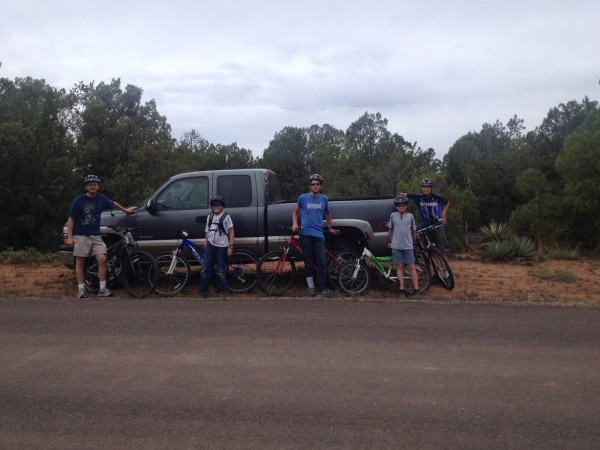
<point x="475" y="281"/>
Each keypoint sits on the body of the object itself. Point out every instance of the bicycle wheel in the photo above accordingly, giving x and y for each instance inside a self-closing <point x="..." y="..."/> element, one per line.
<point x="140" y="274"/>
<point x="336" y="261"/>
<point x="275" y="275"/>
<point x="423" y="276"/>
<point x="175" y="282"/>
<point x="91" y="277"/>
<point x="354" y="277"/>
<point x="241" y="271"/>
<point x="441" y="269"/>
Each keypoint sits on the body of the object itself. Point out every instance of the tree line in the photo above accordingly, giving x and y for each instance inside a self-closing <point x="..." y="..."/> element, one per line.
<point x="545" y="183"/>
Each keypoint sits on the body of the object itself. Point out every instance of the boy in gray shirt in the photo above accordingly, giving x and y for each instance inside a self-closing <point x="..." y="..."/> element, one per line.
<point x="403" y="233"/>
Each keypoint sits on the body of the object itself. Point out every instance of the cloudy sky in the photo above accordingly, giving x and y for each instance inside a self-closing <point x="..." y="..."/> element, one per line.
<point x="240" y="71"/>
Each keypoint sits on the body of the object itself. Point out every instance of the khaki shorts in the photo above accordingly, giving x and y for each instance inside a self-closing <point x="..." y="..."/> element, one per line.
<point x="84" y="246"/>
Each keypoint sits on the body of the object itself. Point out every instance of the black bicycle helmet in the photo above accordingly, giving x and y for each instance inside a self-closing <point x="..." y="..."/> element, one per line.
<point x="400" y="199"/>
<point x="217" y="200"/>
<point x="317" y="177"/>
<point x="89" y="178"/>
<point x="426" y="182"/>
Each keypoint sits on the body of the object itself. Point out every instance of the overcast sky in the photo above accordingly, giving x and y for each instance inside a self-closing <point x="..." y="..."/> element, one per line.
<point x="240" y="71"/>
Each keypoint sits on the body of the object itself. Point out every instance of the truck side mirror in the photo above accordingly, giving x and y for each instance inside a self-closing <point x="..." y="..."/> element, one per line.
<point x="151" y="205"/>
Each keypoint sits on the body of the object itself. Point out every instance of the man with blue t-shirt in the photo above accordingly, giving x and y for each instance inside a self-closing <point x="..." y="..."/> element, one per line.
<point x="433" y="208"/>
<point x="311" y="207"/>
<point x="83" y="232"/>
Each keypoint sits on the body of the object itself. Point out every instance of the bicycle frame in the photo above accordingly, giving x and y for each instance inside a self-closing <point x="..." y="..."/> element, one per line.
<point x="193" y="247"/>
<point x="295" y="243"/>
<point x="379" y="261"/>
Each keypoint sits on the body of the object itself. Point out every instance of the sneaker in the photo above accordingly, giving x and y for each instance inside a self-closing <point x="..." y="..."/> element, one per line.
<point x="324" y="293"/>
<point x="403" y="293"/>
<point x="81" y="293"/>
<point x="311" y="292"/>
<point x="104" y="293"/>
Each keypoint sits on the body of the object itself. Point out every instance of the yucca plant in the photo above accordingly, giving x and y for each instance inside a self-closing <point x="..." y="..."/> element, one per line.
<point x="498" y="242"/>
<point x="494" y="232"/>
<point x="516" y="248"/>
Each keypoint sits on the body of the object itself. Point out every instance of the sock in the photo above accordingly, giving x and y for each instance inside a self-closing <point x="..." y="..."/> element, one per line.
<point x="103" y="285"/>
<point x="311" y="282"/>
<point x="81" y="286"/>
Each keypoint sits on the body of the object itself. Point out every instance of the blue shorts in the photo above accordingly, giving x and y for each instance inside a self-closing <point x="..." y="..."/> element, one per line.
<point x="403" y="256"/>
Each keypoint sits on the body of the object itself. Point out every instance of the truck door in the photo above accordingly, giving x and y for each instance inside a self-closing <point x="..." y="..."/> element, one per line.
<point x="242" y="205"/>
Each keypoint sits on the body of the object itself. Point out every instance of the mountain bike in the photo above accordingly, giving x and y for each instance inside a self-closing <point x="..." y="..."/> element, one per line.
<point x="175" y="271"/>
<point x="277" y="269"/>
<point x="430" y="256"/>
<point x="354" y="277"/>
<point x="135" y="270"/>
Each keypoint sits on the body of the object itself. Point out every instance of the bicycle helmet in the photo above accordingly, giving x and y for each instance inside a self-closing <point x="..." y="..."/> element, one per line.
<point x="317" y="177"/>
<point x="400" y="199"/>
<point x="89" y="178"/>
<point x="217" y="200"/>
<point x="426" y="182"/>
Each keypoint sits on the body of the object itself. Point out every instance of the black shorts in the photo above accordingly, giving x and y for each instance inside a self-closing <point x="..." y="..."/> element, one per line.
<point x="438" y="237"/>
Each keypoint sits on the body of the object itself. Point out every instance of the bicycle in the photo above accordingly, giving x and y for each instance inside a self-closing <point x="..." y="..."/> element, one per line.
<point x="175" y="271"/>
<point x="430" y="256"/>
<point x="277" y="270"/>
<point x="134" y="269"/>
<point x="354" y="277"/>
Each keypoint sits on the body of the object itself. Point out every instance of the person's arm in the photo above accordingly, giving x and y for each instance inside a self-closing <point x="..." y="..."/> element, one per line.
<point x="391" y="233"/>
<point x="328" y="217"/>
<point x="231" y="239"/>
<point x="70" y="223"/>
<point x="444" y="210"/>
<point x="295" y="226"/>
<point x="127" y="210"/>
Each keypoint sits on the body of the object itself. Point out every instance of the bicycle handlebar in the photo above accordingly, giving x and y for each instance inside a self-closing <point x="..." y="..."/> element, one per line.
<point x="430" y="227"/>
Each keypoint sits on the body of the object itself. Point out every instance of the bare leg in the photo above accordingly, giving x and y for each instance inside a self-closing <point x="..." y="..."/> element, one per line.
<point x="400" y="275"/>
<point x="413" y="276"/>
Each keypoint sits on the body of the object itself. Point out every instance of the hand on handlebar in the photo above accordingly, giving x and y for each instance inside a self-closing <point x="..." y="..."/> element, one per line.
<point x="295" y="228"/>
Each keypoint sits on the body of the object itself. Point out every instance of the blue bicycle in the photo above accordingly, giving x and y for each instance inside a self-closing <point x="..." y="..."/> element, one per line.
<point x="175" y="271"/>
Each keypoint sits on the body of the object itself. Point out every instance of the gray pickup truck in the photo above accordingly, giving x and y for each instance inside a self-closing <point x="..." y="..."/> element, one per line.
<point x="253" y="199"/>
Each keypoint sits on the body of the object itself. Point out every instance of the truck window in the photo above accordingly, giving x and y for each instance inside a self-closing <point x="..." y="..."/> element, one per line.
<point x="187" y="193"/>
<point x="236" y="190"/>
<point x="272" y="189"/>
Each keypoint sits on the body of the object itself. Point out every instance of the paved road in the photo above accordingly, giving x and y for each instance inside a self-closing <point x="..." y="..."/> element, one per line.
<point x="297" y="374"/>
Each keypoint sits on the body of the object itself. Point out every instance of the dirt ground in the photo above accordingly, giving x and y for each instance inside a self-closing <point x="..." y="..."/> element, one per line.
<point x="475" y="281"/>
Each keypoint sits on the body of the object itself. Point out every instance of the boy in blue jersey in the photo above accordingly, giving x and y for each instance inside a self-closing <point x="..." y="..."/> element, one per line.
<point x="311" y="207"/>
<point x="433" y="209"/>
<point x="83" y="232"/>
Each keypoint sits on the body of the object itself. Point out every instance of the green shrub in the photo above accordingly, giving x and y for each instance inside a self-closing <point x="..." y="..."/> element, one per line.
<point x="564" y="276"/>
<point x="27" y="256"/>
<point x="561" y="252"/>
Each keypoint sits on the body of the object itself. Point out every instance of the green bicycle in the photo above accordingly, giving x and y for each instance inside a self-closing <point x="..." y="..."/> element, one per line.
<point x="354" y="277"/>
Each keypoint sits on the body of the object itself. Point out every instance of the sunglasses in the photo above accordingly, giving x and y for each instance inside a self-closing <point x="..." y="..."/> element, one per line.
<point x="315" y="184"/>
<point x="402" y="204"/>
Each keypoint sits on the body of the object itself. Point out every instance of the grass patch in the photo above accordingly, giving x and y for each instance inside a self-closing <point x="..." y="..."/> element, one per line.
<point x="28" y="256"/>
<point x="563" y="253"/>
<point x="562" y="276"/>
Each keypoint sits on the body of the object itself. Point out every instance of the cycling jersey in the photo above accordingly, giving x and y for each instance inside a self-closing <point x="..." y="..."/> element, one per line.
<point x="430" y="207"/>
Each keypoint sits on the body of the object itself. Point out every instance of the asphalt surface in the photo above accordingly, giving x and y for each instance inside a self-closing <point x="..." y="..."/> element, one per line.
<point x="283" y="373"/>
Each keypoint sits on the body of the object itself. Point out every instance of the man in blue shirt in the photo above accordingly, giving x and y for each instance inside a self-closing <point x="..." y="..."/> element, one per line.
<point x="311" y="207"/>
<point x="83" y="232"/>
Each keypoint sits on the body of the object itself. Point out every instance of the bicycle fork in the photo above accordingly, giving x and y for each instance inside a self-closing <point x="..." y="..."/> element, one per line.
<point x="281" y="262"/>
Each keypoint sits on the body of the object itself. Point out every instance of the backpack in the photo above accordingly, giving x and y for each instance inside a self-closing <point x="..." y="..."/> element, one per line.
<point x="220" y="225"/>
